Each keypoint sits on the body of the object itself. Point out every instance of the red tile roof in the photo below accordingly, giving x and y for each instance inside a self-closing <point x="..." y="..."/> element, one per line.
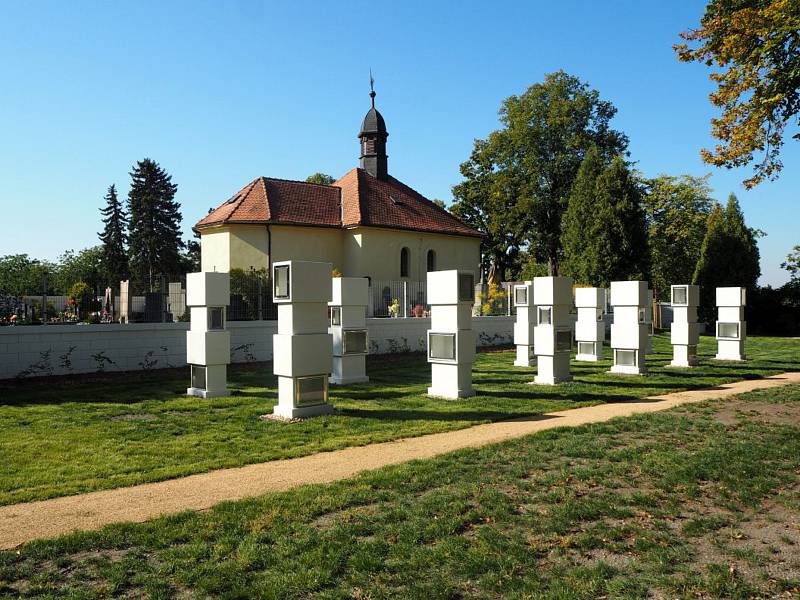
<point x="268" y="200"/>
<point x="357" y="199"/>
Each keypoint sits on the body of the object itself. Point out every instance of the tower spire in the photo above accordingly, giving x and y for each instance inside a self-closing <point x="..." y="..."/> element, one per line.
<point x="371" y="87"/>
<point x="373" y="136"/>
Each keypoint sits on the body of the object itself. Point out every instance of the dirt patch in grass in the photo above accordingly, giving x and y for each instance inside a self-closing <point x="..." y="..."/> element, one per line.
<point x="735" y="411"/>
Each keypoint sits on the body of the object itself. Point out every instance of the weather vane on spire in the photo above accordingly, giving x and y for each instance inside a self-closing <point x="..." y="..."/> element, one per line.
<point x="372" y="87"/>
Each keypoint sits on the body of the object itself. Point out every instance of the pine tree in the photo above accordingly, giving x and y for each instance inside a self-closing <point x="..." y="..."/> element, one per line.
<point x="114" y="237"/>
<point x="618" y="239"/>
<point x="729" y="256"/>
<point x="745" y="257"/>
<point x="154" y="228"/>
<point x="580" y="253"/>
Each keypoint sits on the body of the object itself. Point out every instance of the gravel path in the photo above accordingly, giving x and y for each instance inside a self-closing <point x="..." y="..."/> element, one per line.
<point x="20" y="523"/>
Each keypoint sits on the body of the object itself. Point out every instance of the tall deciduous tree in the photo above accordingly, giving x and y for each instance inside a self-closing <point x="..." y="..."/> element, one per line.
<point x="154" y="223"/>
<point x="114" y="237"/>
<point x="485" y="202"/>
<point x="20" y="274"/>
<point x="518" y="180"/>
<point x="755" y="45"/>
<point x="580" y="253"/>
<point x="677" y="213"/>
<point x="85" y="266"/>
<point x="729" y="255"/>
<point x="618" y="236"/>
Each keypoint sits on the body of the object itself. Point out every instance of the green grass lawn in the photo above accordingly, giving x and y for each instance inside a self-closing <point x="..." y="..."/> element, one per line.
<point x="62" y="437"/>
<point x="697" y="502"/>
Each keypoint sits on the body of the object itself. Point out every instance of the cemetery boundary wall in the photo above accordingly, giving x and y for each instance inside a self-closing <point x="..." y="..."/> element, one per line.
<point x="32" y="351"/>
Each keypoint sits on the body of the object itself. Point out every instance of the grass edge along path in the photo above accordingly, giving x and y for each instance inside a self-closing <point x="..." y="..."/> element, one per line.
<point x="21" y="523"/>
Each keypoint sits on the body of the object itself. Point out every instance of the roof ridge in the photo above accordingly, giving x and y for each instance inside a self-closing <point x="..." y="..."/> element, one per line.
<point x="243" y="194"/>
<point x="323" y="185"/>
<point x="263" y="180"/>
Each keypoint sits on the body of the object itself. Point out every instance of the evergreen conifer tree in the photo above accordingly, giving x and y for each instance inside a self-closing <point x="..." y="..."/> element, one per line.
<point x="617" y="240"/>
<point x="729" y="256"/>
<point x="580" y="251"/>
<point x="114" y="238"/>
<point x="154" y="227"/>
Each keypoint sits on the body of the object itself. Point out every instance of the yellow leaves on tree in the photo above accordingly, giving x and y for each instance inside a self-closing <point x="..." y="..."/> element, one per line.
<point x="754" y="45"/>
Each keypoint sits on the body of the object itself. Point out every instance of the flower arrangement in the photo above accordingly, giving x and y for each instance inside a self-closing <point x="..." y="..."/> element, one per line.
<point x="394" y="308"/>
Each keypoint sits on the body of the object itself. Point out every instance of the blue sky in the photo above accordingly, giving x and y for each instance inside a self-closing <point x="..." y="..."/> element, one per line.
<point x="222" y="92"/>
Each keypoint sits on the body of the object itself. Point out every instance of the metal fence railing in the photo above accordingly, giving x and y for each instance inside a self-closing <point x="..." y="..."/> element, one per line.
<point x="251" y="300"/>
<point x="398" y="299"/>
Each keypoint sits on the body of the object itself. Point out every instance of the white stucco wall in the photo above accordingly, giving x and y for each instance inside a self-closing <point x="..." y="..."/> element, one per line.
<point x="360" y="252"/>
<point x="377" y="253"/>
<point x="157" y="345"/>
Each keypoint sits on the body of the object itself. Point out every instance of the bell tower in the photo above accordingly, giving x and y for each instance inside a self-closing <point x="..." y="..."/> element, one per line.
<point x="373" y="136"/>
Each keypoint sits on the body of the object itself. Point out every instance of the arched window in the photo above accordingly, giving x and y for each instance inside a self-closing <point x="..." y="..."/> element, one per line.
<point x="405" y="261"/>
<point x="431" y="260"/>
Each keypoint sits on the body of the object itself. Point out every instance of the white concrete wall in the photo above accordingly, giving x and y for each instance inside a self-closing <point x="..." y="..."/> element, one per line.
<point x="45" y="350"/>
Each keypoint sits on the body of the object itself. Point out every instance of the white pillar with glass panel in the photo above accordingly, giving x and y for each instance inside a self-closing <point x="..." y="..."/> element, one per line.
<point x="731" y="326"/>
<point x="630" y="331"/>
<point x="590" y="328"/>
<point x="524" y="325"/>
<point x="451" y="341"/>
<point x="348" y="326"/>
<point x="208" y="343"/>
<point x="302" y="349"/>
<point x="553" y="332"/>
<point x="685" y="332"/>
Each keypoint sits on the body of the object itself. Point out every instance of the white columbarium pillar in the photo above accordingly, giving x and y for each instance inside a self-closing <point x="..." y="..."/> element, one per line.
<point x="731" y="326"/>
<point x="451" y="341"/>
<point x="348" y="325"/>
<point x="630" y="331"/>
<point x="553" y="332"/>
<point x="302" y="348"/>
<point x="590" y="328"/>
<point x="524" y="325"/>
<point x="685" y="332"/>
<point x="208" y="343"/>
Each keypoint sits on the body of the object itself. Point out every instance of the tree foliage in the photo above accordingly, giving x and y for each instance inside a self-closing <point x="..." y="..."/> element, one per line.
<point x="485" y="203"/>
<point x="617" y="237"/>
<point x="20" y="274"/>
<point x="154" y="223"/>
<point x="114" y="237"/>
<point x="580" y="253"/>
<point x="518" y="180"/>
<point x="792" y="263"/>
<point x="677" y="213"/>
<point x="755" y="47"/>
<point x="85" y="266"/>
<point x="729" y="255"/>
<point x="320" y="178"/>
